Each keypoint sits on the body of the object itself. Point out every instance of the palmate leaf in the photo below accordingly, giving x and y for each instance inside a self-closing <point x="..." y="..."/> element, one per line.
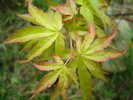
<point x="28" y="33"/>
<point x="85" y="80"/>
<point x="47" y="81"/>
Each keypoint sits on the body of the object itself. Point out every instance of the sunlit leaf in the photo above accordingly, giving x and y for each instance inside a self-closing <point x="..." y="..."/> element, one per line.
<point x="58" y="59"/>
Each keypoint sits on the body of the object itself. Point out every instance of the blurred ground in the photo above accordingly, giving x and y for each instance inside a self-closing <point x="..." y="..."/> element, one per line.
<point x="17" y="81"/>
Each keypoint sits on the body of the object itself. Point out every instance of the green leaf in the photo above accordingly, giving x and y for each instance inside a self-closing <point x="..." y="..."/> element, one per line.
<point x="105" y="55"/>
<point x="101" y="43"/>
<point x="41" y="46"/>
<point x="95" y="6"/>
<point x="58" y="20"/>
<point x="28" y="45"/>
<point x="85" y="11"/>
<point x="28" y="17"/>
<point x="41" y="17"/>
<point x="46" y="66"/>
<point x="99" y="75"/>
<point x="28" y="33"/>
<point x="85" y="80"/>
<point x="63" y="84"/>
<point x="60" y="45"/>
<point x="47" y="81"/>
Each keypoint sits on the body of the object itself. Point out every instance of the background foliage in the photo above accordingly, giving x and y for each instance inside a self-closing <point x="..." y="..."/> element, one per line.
<point x="16" y="84"/>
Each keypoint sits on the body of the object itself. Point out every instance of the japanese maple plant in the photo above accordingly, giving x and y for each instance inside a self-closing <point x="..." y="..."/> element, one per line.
<point x="68" y="41"/>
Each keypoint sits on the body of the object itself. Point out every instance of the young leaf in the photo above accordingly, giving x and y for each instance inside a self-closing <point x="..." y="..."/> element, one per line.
<point x="105" y="55"/>
<point x="47" y="81"/>
<point x="73" y="6"/>
<point x="41" y="17"/>
<point x="85" y="80"/>
<point x="59" y="45"/>
<point x="28" y="17"/>
<point x="42" y="45"/>
<point x="47" y="66"/>
<point x="28" y="33"/>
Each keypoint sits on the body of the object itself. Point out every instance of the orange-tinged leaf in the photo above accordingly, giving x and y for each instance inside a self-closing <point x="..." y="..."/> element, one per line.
<point x="41" y="46"/>
<point x="89" y="37"/>
<point x="58" y="59"/>
<point x="85" y="80"/>
<point x="28" y="33"/>
<point x="46" y="66"/>
<point x="47" y="81"/>
<point x="100" y="43"/>
<point x="65" y="9"/>
<point x="41" y="17"/>
<point x="73" y="6"/>
<point x="99" y="75"/>
<point x="105" y="55"/>
<point x="28" y="17"/>
<point x="92" y="66"/>
<point x="59" y="45"/>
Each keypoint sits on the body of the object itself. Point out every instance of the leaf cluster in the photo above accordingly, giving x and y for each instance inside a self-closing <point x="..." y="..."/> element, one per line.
<point x="79" y="21"/>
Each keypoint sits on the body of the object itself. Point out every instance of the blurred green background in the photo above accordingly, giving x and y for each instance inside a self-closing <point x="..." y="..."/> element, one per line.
<point x="17" y="81"/>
